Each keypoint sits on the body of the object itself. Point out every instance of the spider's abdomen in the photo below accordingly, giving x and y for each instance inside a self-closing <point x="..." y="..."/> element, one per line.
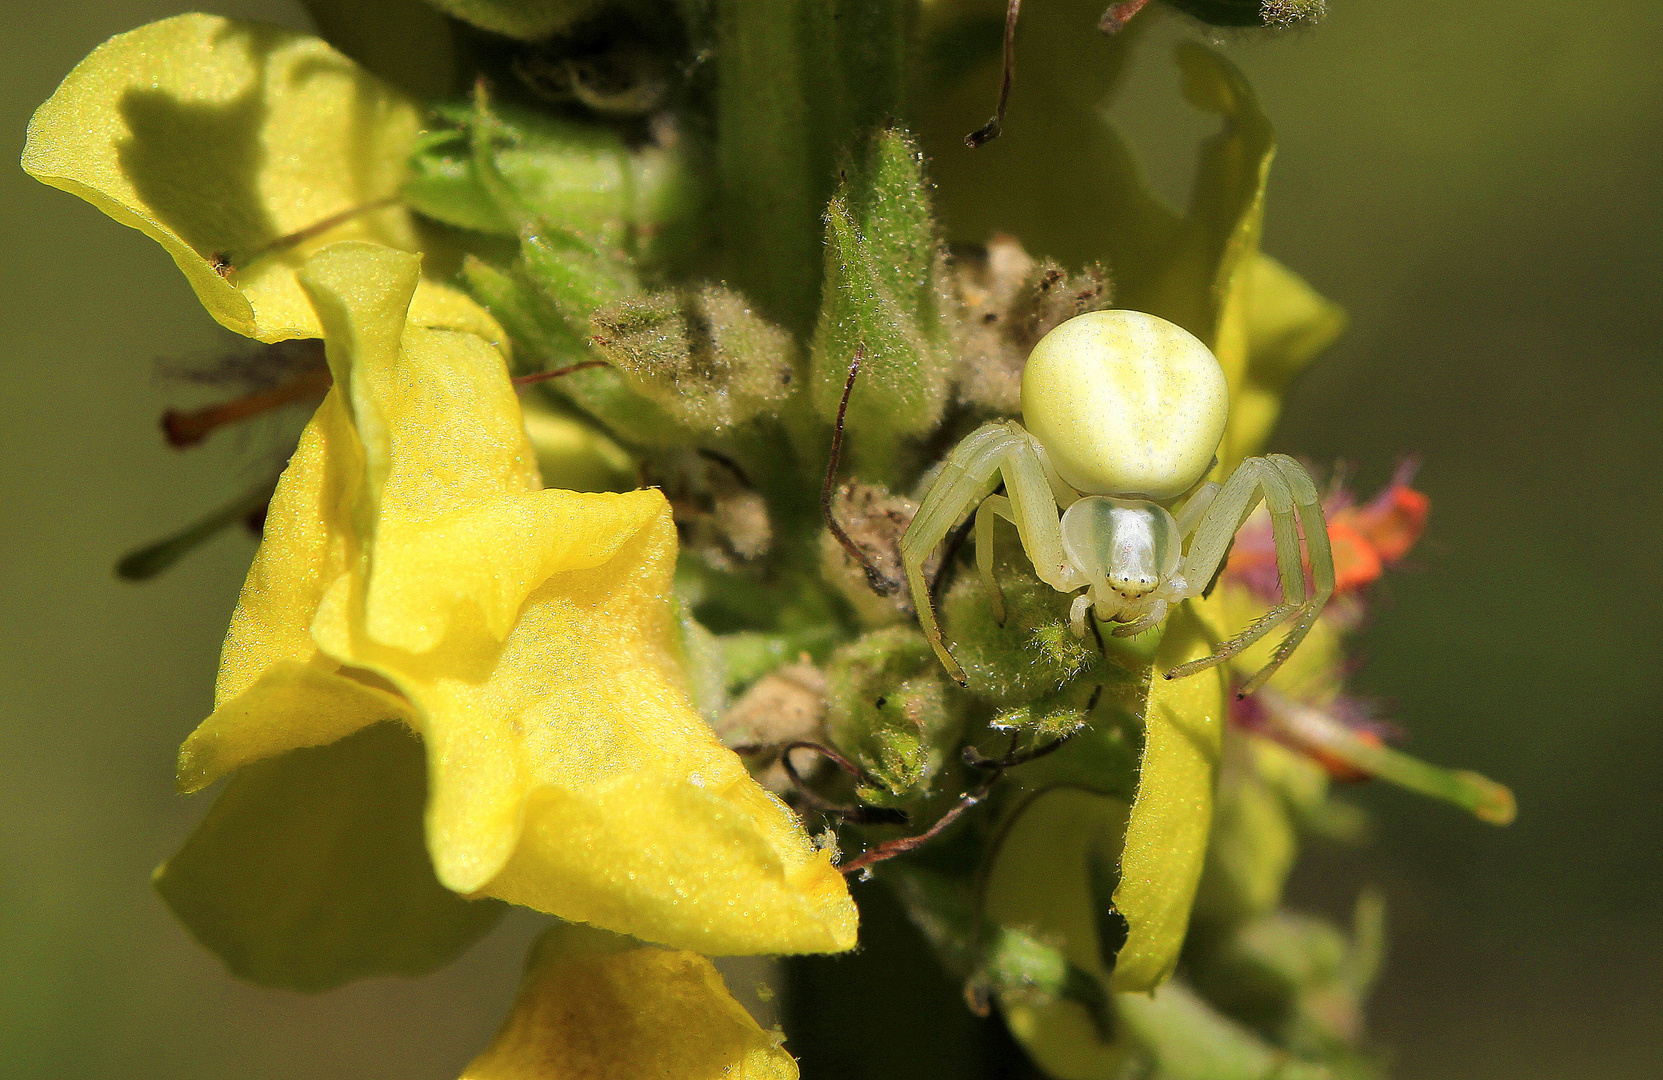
<point x="1125" y="403"/>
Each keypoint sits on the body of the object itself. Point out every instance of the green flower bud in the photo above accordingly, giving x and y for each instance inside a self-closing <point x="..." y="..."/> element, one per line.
<point x="882" y="298"/>
<point x="887" y="708"/>
<point x="700" y="354"/>
<point x="498" y="169"/>
<point x="1032" y="654"/>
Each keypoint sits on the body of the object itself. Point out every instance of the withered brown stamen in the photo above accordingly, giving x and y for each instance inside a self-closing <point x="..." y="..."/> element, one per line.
<point x="990" y="130"/>
<point x="874" y="576"/>
<point x="1118" y="15"/>
<point x="184" y="429"/>
<point x="545" y="376"/>
<point x="224" y="264"/>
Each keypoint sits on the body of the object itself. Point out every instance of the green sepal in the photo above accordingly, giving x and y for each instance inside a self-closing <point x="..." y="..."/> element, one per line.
<point x="311" y="869"/>
<point x="544" y="301"/>
<point x="543" y="335"/>
<point x="881" y="299"/>
<point x="887" y="707"/>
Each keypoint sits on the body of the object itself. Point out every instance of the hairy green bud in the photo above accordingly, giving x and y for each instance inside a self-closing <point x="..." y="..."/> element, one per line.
<point x="1029" y="656"/>
<point x="882" y="299"/>
<point x="887" y="707"/>
<point x="701" y="354"/>
<point x="499" y="169"/>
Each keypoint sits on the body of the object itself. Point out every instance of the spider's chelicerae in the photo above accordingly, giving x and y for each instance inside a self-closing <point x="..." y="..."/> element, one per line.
<point x="1124" y="416"/>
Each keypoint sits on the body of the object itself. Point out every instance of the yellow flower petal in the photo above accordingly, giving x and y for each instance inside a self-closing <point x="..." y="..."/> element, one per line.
<point x="215" y="138"/>
<point x="310" y="871"/>
<point x="1166" y="837"/>
<point x="592" y="1005"/>
<point x="528" y="636"/>
<point x="276" y="690"/>
<point x="1038" y="884"/>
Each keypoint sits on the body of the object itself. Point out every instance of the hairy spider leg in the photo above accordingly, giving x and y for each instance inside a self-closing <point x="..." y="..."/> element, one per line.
<point x="1254" y="478"/>
<point x="967" y="478"/>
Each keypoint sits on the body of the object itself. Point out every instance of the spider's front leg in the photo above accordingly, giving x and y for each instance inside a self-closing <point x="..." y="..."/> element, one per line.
<point x="967" y="478"/>
<point x="1290" y="496"/>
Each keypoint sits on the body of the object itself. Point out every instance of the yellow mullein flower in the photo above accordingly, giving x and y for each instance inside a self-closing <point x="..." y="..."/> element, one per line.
<point x="217" y="138"/>
<point x="412" y="568"/>
<point x="595" y="1004"/>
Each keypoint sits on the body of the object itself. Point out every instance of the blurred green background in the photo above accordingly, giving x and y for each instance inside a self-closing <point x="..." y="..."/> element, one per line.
<point x="1477" y="182"/>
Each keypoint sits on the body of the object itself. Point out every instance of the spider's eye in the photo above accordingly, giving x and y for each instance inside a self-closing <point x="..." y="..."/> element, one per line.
<point x="1125" y="403"/>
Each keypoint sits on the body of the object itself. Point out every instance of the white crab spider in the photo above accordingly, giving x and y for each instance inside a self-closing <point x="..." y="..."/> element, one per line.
<point x="1125" y="412"/>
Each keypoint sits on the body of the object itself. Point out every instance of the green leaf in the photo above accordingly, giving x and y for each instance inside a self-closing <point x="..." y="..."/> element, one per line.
<point x="886" y="706"/>
<point x="311" y="869"/>
<point x="1166" y="835"/>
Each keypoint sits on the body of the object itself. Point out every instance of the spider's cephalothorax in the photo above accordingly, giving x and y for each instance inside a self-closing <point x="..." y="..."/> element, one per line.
<point x="1125" y="412"/>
